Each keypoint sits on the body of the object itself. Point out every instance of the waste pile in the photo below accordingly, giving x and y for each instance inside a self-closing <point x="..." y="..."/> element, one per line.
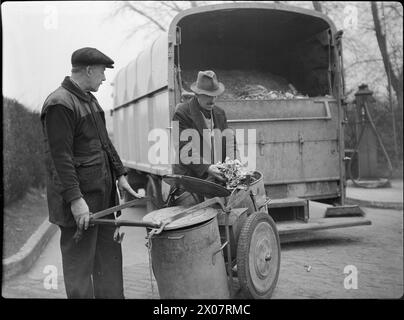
<point x="248" y="85"/>
<point x="235" y="173"/>
<point x="258" y="92"/>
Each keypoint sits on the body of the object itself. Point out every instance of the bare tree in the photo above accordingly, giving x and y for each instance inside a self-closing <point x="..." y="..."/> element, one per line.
<point x="363" y="61"/>
<point x="144" y="13"/>
<point x="394" y="77"/>
<point x="158" y="14"/>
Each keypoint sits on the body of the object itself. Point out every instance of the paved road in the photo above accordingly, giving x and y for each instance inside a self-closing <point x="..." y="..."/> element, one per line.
<point x="375" y="251"/>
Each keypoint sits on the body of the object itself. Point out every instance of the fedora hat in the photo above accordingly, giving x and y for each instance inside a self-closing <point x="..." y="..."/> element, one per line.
<point x="206" y="83"/>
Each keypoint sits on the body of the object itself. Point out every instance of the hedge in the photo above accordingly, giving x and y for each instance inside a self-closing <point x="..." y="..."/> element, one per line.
<point x="23" y="165"/>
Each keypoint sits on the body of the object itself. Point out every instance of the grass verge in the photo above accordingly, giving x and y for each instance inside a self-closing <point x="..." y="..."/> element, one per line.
<point x="21" y="219"/>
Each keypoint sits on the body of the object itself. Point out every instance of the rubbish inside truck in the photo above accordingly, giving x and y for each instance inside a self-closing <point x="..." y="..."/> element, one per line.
<point x="280" y="51"/>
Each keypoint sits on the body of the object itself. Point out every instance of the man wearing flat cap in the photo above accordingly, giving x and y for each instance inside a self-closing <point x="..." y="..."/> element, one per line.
<point x="201" y="113"/>
<point x="83" y="169"/>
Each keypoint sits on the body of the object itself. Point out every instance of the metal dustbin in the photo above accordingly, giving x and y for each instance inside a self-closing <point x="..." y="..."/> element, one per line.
<point x="187" y="258"/>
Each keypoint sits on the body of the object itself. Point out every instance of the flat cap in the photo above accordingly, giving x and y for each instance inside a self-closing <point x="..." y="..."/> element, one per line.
<point x="90" y="56"/>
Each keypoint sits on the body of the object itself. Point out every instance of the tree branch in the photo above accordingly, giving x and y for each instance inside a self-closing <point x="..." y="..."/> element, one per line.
<point x="363" y="61"/>
<point x="144" y="14"/>
<point x="177" y="6"/>
<point x="173" y="6"/>
<point x="394" y="8"/>
<point x="381" y="40"/>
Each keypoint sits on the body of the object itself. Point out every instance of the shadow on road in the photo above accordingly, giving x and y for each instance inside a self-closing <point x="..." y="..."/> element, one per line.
<point x="310" y="241"/>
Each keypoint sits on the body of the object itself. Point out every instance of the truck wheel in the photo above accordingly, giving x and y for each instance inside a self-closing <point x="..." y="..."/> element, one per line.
<point x="258" y="256"/>
<point x="153" y="192"/>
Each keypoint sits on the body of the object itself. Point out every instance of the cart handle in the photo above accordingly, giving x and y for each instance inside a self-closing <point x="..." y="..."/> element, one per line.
<point x="219" y="250"/>
<point x="79" y="233"/>
<point x="128" y="223"/>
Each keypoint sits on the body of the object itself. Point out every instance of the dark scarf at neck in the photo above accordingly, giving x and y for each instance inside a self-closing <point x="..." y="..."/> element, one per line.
<point x="207" y="113"/>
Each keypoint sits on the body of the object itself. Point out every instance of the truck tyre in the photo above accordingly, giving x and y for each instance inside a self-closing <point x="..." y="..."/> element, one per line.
<point x="258" y="256"/>
<point x="153" y="192"/>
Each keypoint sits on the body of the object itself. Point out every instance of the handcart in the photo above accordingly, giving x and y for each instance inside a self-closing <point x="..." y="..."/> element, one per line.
<point x="196" y="251"/>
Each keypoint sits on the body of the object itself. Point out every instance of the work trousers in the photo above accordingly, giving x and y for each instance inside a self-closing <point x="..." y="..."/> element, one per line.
<point x="92" y="268"/>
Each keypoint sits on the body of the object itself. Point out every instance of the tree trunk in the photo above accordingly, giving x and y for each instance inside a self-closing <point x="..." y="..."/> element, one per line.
<point x="400" y="90"/>
<point x="381" y="40"/>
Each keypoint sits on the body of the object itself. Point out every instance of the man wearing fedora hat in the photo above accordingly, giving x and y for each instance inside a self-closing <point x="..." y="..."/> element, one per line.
<point x="201" y="113"/>
<point x="83" y="168"/>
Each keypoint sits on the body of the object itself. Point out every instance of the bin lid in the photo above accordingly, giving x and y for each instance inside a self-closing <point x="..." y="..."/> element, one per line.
<point x="193" y="218"/>
<point x="195" y="185"/>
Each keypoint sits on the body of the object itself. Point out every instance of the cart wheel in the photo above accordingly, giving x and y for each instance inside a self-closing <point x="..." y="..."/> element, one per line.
<point x="258" y="256"/>
<point x="153" y="191"/>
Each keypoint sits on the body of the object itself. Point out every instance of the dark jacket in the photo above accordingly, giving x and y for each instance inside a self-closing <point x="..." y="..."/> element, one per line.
<point x="80" y="160"/>
<point x="189" y="116"/>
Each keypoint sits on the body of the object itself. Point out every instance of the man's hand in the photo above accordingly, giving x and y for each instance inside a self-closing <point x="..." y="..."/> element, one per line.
<point x="81" y="213"/>
<point x="215" y="173"/>
<point x="123" y="186"/>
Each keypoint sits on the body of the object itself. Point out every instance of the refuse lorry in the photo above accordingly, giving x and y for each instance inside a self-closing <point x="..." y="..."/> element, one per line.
<point x="299" y="141"/>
